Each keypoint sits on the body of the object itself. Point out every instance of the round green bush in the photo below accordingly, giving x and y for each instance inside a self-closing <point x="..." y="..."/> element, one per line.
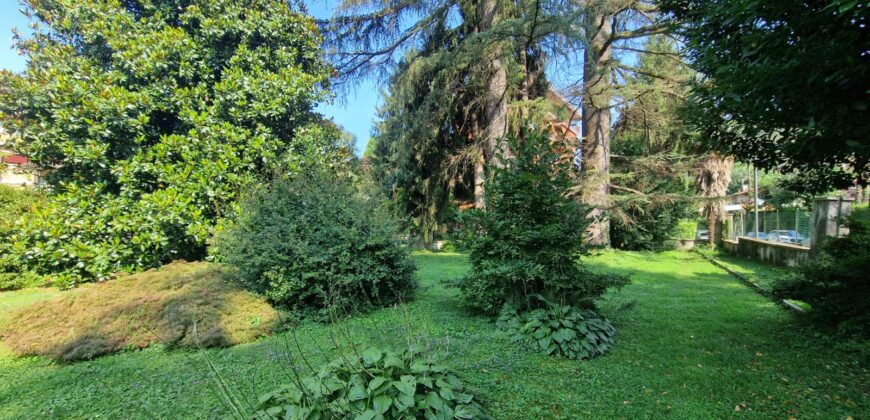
<point x="312" y="242"/>
<point x="374" y="384"/>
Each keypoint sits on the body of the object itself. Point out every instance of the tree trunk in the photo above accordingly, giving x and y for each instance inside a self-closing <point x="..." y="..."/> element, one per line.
<point x="596" y="124"/>
<point x="496" y="92"/>
<point x="713" y="179"/>
<point x="479" y="176"/>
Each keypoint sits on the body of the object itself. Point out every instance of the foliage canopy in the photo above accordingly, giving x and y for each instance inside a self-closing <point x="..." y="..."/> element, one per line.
<point x="150" y="117"/>
<point x="786" y="84"/>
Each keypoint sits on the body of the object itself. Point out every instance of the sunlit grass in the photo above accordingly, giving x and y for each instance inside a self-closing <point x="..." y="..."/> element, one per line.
<point x="693" y="343"/>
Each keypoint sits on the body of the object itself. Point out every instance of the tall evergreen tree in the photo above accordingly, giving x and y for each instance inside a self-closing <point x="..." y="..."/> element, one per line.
<point x="653" y="152"/>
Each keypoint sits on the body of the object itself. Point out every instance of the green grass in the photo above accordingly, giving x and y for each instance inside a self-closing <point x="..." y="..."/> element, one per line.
<point x="693" y="343"/>
<point x="762" y="274"/>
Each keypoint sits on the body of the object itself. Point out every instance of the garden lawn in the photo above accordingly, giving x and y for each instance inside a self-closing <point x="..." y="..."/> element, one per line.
<point x="764" y="275"/>
<point x="693" y="343"/>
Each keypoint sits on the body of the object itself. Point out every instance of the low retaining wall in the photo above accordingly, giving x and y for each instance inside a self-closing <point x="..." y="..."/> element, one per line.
<point x="767" y="252"/>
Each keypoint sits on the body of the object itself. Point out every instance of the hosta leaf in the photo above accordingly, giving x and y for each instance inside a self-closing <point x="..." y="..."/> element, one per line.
<point x="382" y="403"/>
<point x="464" y="398"/>
<point x="435" y="401"/>
<point x="405" y="387"/>
<point x="447" y="394"/>
<point x="357" y="392"/>
<point x="404" y="401"/>
<point x="376" y="383"/>
<point x="372" y="355"/>
<point x="393" y="361"/>
<point x="366" y="415"/>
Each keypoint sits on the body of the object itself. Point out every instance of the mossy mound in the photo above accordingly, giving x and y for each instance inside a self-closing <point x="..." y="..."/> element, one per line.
<point x="180" y="304"/>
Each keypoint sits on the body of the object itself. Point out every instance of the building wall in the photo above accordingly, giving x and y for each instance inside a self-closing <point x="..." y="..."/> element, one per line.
<point x="13" y="176"/>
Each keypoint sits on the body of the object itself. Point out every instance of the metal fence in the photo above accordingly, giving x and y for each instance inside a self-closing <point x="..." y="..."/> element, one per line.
<point x="786" y="226"/>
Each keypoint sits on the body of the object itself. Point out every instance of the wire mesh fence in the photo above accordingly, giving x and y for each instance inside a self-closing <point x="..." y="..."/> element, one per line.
<point x="783" y="226"/>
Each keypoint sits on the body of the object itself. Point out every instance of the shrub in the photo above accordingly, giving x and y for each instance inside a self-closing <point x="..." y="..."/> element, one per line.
<point x="375" y="384"/>
<point x="687" y="229"/>
<point x="529" y="239"/>
<point x="134" y="311"/>
<point x="835" y="283"/>
<point x="561" y="330"/>
<point x="310" y="241"/>
<point x="152" y="116"/>
<point x="647" y="226"/>
<point x="14" y="204"/>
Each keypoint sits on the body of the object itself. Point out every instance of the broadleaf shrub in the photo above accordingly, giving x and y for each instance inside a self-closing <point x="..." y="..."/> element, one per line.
<point x="375" y="384"/>
<point x="561" y="330"/>
<point x="529" y="240"/>
<point x="312" y="242"/>
<point x="15" y="203"/>
<point x="835" y="284"/>
<point x="152" y="116"/>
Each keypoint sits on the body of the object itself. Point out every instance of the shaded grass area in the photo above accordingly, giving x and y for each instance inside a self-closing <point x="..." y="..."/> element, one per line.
<point x="179" y="304"/>
<point x="762" y="274"/>
<point x="693" y="343"/>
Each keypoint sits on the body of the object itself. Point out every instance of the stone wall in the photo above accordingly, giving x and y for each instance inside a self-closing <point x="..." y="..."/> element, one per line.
<point x="767" y="252"/>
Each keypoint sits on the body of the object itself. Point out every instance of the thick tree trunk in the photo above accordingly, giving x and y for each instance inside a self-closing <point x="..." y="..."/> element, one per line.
<point x="596" y="125"/>
<point x="713" y="179"/>
<point x="496" y="92"/>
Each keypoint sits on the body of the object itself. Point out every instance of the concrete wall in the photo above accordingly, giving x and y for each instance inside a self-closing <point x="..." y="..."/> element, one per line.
<point x="767" y="252"/>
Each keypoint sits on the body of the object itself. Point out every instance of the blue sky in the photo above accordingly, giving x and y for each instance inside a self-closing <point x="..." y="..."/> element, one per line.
<point x="355" y="112"/>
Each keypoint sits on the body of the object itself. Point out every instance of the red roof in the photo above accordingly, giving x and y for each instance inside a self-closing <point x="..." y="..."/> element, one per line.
<point x="16" y="159"/>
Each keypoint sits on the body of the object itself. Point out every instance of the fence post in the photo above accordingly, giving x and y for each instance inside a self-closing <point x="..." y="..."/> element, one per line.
<point x="827" y="212"/>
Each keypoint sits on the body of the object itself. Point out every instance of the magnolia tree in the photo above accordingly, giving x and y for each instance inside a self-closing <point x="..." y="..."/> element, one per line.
<point x="150" y="117"/>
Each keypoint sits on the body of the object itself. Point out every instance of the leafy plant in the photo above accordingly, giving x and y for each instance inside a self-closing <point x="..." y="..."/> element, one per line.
<point x="15" y="203"/>
<point x="529" y="239"/>
<point x="312" y="242"/>
<point x="375" y="384"/>
<point x="687" y="229"/>
<point x="835" y="283"/>
<point x="152" y="117"/>
<point x="561" y="330"/>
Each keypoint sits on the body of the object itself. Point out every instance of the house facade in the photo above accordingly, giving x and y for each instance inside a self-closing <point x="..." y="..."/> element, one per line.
<point x="15" y="169"/>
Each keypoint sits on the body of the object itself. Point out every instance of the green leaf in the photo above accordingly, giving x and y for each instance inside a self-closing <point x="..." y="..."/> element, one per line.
<point x="357" y="392"/>
<point x="393" y="361"/>
<point x="376" y="383"/>
<point x="372" y="355"/>
<point x="367" y="415"/>
<point x="435" y="401"/>
<point x="382" y="403"/>
<point x="405" y="387"/>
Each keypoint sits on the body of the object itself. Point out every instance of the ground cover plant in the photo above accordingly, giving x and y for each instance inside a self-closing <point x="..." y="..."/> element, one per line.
<point x="312" y="242"/>
<point x="375" y="384"/>
<point x="561" y="330"/>
<point x="693" y="343"/>
<point x="180" y="304"/>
